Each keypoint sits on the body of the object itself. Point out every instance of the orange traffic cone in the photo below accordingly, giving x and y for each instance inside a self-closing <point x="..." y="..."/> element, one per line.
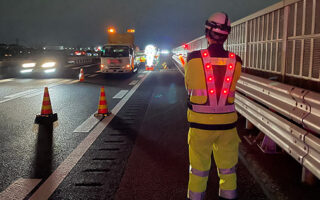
<point x="103" y="105"/>
<point x="81" y="75"/>
<point x="46" y="117"/>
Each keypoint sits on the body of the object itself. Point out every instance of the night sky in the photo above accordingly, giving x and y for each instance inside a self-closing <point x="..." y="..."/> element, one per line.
<point x="166" y="23"/>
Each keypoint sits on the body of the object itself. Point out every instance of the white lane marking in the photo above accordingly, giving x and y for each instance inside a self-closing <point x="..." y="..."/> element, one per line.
<point x="93" y="75"/>
<point x="141" y="76"/>
<point x="182" y="73"/>
<point x="75" y="68"/>
<point x="54" y="180"/>
<point x="20" y="94"/>
<point x="133" y="82"/>
<point x="72" y="82"/>
<point x="87" y="75"/>
<point x="120" y="94"/>
<point x="19" y="189"/>
<point x="40" y="91"/>
<point x="6" y="80"/>
<point x="32" y="92"/>
<point x="87" y="125"/>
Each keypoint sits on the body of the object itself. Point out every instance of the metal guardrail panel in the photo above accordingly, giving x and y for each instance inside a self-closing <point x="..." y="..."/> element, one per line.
<point x="301" y="145"/>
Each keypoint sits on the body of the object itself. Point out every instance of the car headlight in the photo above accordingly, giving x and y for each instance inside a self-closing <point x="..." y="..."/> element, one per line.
<point x="48" y="64"/>
<point x="28" y="65"/>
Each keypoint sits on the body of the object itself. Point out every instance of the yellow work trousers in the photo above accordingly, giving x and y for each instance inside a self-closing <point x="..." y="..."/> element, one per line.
<point x="224" y="144"/>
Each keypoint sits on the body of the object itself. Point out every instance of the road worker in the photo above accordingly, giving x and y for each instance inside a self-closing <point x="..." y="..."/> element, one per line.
<point x="210" y="78"/>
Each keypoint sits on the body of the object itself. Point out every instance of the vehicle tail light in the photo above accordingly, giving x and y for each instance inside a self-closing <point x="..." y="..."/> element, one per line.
<point x="211" y="91"/>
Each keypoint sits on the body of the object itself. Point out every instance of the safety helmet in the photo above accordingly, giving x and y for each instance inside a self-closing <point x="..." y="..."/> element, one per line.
<point x="218" y="22"/>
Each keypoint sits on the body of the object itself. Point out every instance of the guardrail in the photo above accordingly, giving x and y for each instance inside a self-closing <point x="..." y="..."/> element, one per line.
<point x="282" y="39"/>
<point x="288" y="115"/>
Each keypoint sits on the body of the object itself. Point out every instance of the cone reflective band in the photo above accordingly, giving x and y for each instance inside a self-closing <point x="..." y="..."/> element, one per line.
<point x="46" y="117"/>
<point x="46" y="104"/>
<point x="81" y="75"/>
<point x="103" y="107"/>
<point x="182" y="60"/>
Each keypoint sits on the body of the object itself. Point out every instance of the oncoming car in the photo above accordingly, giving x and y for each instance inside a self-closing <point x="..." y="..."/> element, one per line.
<point x="47" y="66"/>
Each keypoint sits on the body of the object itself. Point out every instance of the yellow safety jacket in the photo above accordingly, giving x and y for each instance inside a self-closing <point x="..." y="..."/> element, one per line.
<point x="210" y="79"/>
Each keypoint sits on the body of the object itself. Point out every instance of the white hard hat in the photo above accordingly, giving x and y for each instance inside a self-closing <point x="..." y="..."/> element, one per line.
<point x="219" y="23"/>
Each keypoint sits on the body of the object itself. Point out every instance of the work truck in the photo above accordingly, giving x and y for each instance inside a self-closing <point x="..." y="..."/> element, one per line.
<point x="118" y="55"/>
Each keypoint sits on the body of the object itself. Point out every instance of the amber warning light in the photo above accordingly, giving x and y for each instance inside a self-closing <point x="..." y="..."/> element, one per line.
<point x="111" y="30"/>
<point x="131" y="30"/>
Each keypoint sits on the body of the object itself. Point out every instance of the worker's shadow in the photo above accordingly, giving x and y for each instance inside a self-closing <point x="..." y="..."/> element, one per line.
<point x="42" y="164"/>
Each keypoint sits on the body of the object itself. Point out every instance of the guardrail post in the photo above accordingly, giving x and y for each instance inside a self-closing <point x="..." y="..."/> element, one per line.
<point x="246" y="46"/>
<point x="307" y="177"/>
<point x="249" y="125"/>
<point x="284" y="42"/>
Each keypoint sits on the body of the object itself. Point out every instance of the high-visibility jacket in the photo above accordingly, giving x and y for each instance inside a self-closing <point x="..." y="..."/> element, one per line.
<point x="210" y="78"/>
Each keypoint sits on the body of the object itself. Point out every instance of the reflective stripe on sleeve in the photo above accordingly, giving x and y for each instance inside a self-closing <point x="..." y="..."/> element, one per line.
<point x="197" y="92"/>
<point x="227" y="171"/>
<point x="228" y="194"/>
<point x="196" y="195"/>
<point x="198" y="172"/>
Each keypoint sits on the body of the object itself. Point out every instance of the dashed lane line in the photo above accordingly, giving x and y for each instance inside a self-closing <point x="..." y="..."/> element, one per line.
<point x="141" y="76"/>
<point x="6" y="80"/>
<point x="68" y="82"/>
<point x="19" y="189"/>
<point x="33" y="92"/>
<point x="120" y="94"/>
<point x="133" y="82"/>
<point x="87" y="125"/>
<point x="93" y="75"/>
<point x="55" y="179"/>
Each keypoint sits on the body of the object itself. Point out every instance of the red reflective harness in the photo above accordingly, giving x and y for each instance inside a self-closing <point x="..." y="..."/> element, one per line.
<point x="213" y="104"/>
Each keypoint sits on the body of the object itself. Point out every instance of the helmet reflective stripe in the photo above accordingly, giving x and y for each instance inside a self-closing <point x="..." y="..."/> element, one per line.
<point x="214" y="105"/>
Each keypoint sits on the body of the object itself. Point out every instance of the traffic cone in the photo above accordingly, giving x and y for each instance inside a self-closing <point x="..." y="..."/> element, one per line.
<point x="81" y="75"/>
<point x="103" y="105"/>
<point x="47" y="117"/>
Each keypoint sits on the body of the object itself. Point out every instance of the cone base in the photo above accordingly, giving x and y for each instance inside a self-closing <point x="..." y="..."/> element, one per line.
<point x="102" y="115"/>
<point x="46" y="119"/>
